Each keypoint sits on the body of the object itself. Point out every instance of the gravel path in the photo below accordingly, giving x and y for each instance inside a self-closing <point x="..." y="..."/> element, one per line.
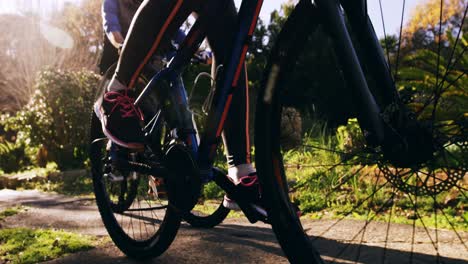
<point x="236" y="240"/>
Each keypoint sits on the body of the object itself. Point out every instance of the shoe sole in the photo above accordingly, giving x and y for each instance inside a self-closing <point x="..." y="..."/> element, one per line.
<point x="230" y="204"/>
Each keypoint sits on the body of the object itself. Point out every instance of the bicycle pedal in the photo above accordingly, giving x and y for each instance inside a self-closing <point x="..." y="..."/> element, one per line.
<point x="114" y="178"/>
<point x="254" y="213"/>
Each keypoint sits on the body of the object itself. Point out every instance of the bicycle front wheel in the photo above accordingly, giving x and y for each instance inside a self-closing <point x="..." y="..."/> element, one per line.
<point x="282" y="213"/>
<point x="369" y="207"/>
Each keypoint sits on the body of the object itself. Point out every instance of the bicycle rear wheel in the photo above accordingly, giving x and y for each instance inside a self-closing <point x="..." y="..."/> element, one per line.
<point x="134" y="209"/>
<point x="141" y="224"/>
<point x="355" y="193"/>
<point x="208" y="212"/>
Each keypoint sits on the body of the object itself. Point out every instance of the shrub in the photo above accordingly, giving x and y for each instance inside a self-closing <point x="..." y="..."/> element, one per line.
<point x="350" y="137"/>
<point x="212" y="191"/>
<point x="291" y="128"/>
<point x="57" y="117"/>
<point x="13" y="157"/>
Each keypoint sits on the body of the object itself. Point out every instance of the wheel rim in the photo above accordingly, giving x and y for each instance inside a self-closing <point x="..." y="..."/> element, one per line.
<point x="135" y="208"/>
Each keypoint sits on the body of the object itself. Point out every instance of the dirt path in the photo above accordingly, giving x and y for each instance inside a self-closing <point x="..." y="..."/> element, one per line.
<point x="236" y="240"/>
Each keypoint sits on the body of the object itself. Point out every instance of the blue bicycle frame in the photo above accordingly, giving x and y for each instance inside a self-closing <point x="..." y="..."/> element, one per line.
<point x="205" y="150"/>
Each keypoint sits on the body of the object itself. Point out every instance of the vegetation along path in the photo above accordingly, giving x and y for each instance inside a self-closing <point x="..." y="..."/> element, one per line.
<point x="235" y="240"/>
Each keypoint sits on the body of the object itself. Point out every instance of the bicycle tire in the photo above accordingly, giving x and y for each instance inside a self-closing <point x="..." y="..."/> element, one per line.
<point x="281" y="212"/>
<point x="162" y="238"/>
<point x="150" y="247"/>
<point x="210" y="220"/>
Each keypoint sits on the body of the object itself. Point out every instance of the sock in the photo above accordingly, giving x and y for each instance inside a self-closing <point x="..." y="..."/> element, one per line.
<point x="235" y="173"/>
<point x="115" y="85"/>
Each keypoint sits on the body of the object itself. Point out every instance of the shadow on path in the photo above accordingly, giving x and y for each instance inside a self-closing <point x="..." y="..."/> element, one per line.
<point x="235" y="241"/>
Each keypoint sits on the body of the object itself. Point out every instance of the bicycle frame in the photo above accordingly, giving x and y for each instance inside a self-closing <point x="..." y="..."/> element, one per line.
<point x="205" y="150"/>
<point x="330" y="12"/>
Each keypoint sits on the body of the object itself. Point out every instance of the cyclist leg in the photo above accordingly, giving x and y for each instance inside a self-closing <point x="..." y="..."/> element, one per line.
<point x="236" y="128"/>
<point x="154" y="24"/>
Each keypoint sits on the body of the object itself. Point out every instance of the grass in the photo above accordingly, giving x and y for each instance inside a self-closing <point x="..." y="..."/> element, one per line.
<point x="10" y="212"/>
<point x="210" y="206"/>
<point x="333" y="184"/>
<point x="76" y="185"/>
<point x="23" y="245"/>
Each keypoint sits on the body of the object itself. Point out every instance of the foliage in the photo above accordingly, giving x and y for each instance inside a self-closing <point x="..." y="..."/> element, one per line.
<point x="23" y="51"/>
<point x="422" y="30"/>
<point x="350" y="138"/>
<point x="57" y="116"/>
<point x="21" y="245"/>
<point x="212" y="191"/>
<point x="31" y="42"/>
<point x="75" y="183"/>
<point x="420" y="79"/>
<point x="9" y="212"/>
<point x="13" y="156"/>
<point x="84" y="23"/>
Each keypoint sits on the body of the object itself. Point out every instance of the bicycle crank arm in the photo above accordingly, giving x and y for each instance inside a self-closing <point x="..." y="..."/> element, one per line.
<point x="252" y="214"/>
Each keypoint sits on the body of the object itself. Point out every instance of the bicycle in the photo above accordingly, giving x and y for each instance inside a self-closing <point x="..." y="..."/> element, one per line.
<point x="208" y="212"/>
<point x="420" y="152"/>
<point x="172" y="138"/>
<point x="140" y="219"/>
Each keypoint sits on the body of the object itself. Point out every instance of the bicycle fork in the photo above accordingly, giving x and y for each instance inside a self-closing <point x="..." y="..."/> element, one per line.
<point x="368" y="110"/>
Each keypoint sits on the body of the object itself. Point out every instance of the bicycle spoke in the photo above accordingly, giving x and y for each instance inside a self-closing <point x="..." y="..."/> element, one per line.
<point x="367" y="219"/>
<point x="439" y="42"/>
<point x="436" y="89"/>
<point x="362" y="237"/>
<point x="455" y="81"/>
<point x="327" y="149"/>
<point x="388" y="230"/>
<point x="351" y="211"/>
<point x="344" y="181"/>
<point x="428" y="175"/>
<point x="433" y="97"/>
<point x="435" y="207"/>
<point x="145" y="225"/>
<point x="131" y="225"/>
<point x="453" y="227"/>
<point x="399" y="41"/>
<point x="415" y="208"/>
<point x="367" y="223"/>
<point x="385" y="38"/>
<point x="454" y="48"/>
<point x="422" y="222"/>
<point x="154" y="216"/>
<point x="141" y="217"/>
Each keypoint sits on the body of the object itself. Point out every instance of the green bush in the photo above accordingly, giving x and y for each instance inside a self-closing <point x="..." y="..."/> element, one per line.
<point x="57" y="116"/>
<point x="350" y="138"/>
<point x="212" y="191"/>
<point x="13" y="157"/>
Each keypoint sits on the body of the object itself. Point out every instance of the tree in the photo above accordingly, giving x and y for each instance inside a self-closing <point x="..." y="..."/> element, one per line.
<point x="422" y="30"/>
<point x="27" y="47"/>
